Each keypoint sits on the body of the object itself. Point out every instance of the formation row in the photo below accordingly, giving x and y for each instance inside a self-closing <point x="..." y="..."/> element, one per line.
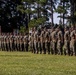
<point x="51" y="41"/>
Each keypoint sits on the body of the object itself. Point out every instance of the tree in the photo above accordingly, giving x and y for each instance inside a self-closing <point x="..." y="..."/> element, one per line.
<point x="62" y="9"/>
<point x="73" y="11"/>
<point x="9" y="15"/>
<point x="34" y="10"/>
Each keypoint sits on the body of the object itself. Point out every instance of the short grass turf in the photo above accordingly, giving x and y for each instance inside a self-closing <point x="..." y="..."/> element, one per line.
<point x="27" y="63"/>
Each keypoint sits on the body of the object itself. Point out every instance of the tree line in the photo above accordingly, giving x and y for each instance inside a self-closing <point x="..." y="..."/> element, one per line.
<point x="30" y="13"/>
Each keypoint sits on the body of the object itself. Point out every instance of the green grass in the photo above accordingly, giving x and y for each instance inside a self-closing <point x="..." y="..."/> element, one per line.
<point x="23" y="63"/>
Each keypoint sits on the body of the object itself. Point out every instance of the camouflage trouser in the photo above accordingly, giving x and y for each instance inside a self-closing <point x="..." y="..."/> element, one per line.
<point x="30" y="45"/>
<point x="43" y="47"/>
<point x="66" y="47"/>
<point x="51" y="47"/>
<point x="17" y="46"/>
<point x="37" y="50"/>
<point x="59" y="47"/>
<point x="0" y="45"/>
<point x="54" y="44"/>
<point x="22" y="47"/>
<point x="3" y="46"/>
<point x="47" y="46"/>
<point x="35" y="47"/>
<point x="40" y="47"/>
<point x="13" y="46"/>
<point x="7" y="46"/>
<point x="72" y="48"/>
<point x="10" y="46"/>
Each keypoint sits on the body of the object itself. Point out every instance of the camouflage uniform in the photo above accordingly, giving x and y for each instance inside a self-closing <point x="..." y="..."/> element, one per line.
<point x="35" y="42"/>
<point x="7" y="43"/>
<point x="30" y="41"/>
<point x="19" y="45"/>
<point x="10" y="41"/>
<point x="54" y="41"/>
<point x="66" y="42"/>
<point x="4" y="42"/>
<point x="72" y="43"/>
<point x="47" y="41"/>
<point x="59" y="42"/>
<point x="18" y="42"/>
<point x="39" y="44"/>
<point x="51" y="42"/>
<point x="43" y="41"/>
<point x="27" y="42"/>
<point x="13" y="45"/>
<point x="0" y="42"/>
<point x="22" y="46"/>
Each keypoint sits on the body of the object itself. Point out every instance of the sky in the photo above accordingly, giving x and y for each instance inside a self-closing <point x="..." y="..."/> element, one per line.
<point x="56" y="20"/>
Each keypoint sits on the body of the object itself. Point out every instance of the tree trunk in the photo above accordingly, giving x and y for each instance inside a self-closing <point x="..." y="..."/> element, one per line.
<point x="52" y="22"/>
<point x="63" y="12"/>
<point x="72" y="12"/>
<point x="29" y="15"/>
<point x="38" y="9"/>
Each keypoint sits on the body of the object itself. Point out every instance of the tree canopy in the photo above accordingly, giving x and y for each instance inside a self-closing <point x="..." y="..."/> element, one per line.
<point x="30" y="13"/>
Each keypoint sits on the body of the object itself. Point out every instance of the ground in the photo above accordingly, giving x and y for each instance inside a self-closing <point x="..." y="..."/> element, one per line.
<point x="27" y="63"/>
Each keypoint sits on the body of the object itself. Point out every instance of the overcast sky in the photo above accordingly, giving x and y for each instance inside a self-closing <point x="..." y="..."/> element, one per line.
<point x="56" y="20"/>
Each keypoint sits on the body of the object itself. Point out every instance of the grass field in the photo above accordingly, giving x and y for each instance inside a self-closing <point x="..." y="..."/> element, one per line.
<point x="23" y="63"/>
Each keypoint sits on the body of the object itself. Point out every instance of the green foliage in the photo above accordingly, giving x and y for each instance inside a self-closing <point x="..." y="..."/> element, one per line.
<point x="43" y="2"/>
<point x="37" y="22"/>
<point x="22" y="29"/>
<point x="41" y="8"/>
<point x="75" y="13"/>
<point x="20" y="8"/>
<point x="28" y="11"/>
<point x="32" y="23"/>
<point x="60" y="10"/>
<point x="29" y="1"/>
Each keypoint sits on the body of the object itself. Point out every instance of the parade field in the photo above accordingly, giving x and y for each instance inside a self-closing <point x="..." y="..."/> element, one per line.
<point x="27" y="63"/>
